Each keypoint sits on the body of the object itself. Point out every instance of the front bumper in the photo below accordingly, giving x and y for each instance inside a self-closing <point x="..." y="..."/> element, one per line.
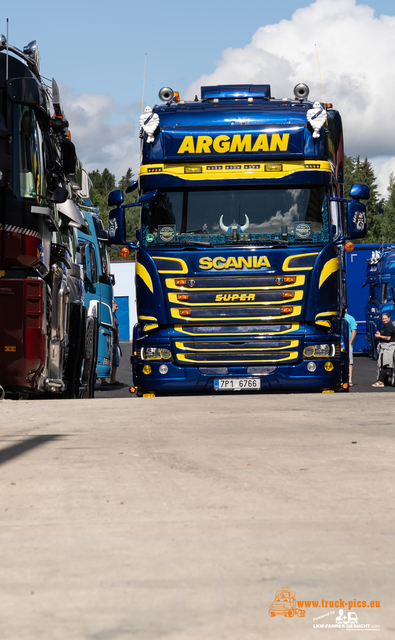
<point x="285" y="378"/>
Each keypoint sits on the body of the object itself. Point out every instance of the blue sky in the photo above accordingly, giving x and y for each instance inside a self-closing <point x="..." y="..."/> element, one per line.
<point x="96" y="52"/>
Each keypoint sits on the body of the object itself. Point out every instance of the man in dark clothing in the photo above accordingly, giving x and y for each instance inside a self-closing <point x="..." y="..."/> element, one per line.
<point x="386" y="336"/>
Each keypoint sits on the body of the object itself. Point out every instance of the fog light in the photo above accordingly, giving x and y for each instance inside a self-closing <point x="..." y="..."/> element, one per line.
<point x="147" y="369"/>
<point x="311" y="366"/>
<point x="148" y="395"/>
<point x="163" y="369"/>
<point x="328" y="366"/>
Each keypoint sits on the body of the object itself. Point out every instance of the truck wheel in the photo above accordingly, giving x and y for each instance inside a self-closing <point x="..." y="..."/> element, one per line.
<point x="290" y="613"/>
<point x="90" y="357"/>
<point x="74" y="359"/>
<point x="271" y="613"/>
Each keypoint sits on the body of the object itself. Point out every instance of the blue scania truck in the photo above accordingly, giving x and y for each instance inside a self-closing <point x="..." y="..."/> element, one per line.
<point x="240" y="261"/>
<point x="380" y="280"/>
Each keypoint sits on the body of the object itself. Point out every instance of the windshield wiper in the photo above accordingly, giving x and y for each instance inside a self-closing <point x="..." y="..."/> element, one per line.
<point x="200" y="243"/>
<point x="269" y="241"/>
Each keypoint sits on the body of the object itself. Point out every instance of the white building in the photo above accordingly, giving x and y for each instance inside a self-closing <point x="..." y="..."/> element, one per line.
<point x="125" y="295"/>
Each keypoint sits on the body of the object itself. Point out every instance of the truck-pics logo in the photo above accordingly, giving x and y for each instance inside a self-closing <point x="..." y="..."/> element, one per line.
<point x="284" y="604"/>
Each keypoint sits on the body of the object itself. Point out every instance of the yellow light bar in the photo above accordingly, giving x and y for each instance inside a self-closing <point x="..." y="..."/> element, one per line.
<point x="193" y="169"/>
<point x="289" y="279"/>
<point x="273" y="167"/>
<point x="180" y="282"/>
<point x="184" y="312"/>
<point x="288" y="294"/>
<point x="286" y="309"/>
<point x="182" y="296"/>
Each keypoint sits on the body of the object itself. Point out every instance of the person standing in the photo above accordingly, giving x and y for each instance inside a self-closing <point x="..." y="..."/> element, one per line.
<point x="386" y="339"/>
<point x="352" y="332"/>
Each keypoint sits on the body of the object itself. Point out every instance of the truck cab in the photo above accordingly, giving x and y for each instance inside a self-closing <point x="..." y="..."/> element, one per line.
<point x="45" y="345"/>
<point x="240" y="263"/>
<point x="98" y="281"/>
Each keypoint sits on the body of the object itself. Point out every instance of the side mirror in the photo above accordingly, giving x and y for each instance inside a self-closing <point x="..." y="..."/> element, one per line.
<point x="133" y="185"/>
<point x="28" y="91"/>
<point x="115" y="198"/>
<point x="90" y="264"/>
<point x="116" y="225"/>
<point x="60" y="195"/>
<point x="147" y="197"/>
<point x="356" y="211"/>
<point x="360" y="191"/>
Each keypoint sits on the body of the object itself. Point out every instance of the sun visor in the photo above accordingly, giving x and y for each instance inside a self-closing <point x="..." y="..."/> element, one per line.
<point x="70" y="210"/>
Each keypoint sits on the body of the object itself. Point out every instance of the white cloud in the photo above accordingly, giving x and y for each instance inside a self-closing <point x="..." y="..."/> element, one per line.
<point x="102" y="136"/>
<point x="356" y="53"/>
<point x="383" y="167"/>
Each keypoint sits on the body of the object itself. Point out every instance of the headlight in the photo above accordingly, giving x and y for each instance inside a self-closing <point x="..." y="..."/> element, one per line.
<point x="155" y="353"/>
<point x="321" y="350"/>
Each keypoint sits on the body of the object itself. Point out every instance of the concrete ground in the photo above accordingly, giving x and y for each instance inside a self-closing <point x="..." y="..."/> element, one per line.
<point x="180" y="518"/>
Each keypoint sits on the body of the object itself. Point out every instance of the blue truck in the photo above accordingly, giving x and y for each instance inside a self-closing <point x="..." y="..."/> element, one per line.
<point x="365" y="299"/>
<point x="98" y="282"/>
<point x="380" y="281"/>
<point x="240" y="261"/>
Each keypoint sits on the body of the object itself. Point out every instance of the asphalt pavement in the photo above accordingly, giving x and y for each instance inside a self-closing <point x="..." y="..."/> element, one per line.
<point x="182" y="518"/>
<point x="364" y="377"/>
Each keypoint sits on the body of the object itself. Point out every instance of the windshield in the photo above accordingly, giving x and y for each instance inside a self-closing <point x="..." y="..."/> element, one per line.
<point x="242" y="215"/>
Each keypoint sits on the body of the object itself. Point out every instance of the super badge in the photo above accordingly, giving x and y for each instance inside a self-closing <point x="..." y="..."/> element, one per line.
<point x="167" y="232"/>
<point x="303" y="230"/>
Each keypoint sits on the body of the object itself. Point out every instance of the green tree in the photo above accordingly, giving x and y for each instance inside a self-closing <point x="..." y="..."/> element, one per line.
<point x="388" y="217"/>
<point x="357" y="170"/>
<point x="105" y="182"/>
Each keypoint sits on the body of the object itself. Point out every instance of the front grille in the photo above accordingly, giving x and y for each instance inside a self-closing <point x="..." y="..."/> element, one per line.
<point x="237" y="352"/>
<point x="236" y="330"/>
<point x="234" y="312"/>
<point x="241" y="358"/>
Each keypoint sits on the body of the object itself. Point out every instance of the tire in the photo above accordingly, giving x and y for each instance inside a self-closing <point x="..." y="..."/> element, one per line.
<point x="290" y="613"/>
<point x="393" y="377"/>
<point x="75" y="354"/>
<point x="88" y="374"/>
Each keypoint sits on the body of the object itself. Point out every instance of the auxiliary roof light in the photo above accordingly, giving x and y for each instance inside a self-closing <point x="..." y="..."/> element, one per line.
<point x="349" y="246"/>
<point x="32" y="51"/>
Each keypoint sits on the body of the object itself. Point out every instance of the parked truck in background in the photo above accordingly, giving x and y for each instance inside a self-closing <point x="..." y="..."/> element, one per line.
<point x="359" y="294"/>
<point x="240" y="263"/>
<point x="380" y="282"/>
<point x="99" y="283"/>
<point x="46" y="336"/>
